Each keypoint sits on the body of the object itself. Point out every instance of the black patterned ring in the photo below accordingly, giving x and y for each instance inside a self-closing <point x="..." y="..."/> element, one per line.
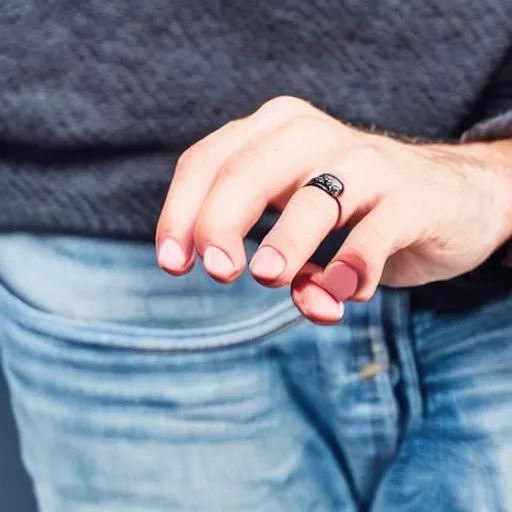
<point x="328" y="183"/>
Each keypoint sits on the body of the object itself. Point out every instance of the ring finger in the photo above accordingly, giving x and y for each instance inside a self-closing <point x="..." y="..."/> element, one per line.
<point x="310" y="215"/>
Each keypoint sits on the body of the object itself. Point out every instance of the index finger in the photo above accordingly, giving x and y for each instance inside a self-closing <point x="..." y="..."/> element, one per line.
<point x="196" y="173"/>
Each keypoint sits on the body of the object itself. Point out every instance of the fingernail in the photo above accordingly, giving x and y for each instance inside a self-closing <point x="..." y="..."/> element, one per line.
<point x="217" y="262"/>
<point x="335" y="311"/>
<point x="171" y="255"/>
<point x="267" y="263"/>
<point x="340" y="280"/>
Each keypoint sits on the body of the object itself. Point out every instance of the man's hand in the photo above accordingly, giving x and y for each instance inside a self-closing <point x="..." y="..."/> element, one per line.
<point x="418" y="213"/>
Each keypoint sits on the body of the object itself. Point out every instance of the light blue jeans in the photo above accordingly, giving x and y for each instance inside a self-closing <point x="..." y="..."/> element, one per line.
<point x="137" y="391"/>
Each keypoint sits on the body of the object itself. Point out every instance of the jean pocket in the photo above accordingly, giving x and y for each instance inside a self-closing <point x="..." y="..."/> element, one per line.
<point x="19" y="317"/>
<point x="189" y="418"/>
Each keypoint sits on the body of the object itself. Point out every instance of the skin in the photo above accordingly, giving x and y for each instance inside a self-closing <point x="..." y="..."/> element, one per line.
<point x="419" y="213"/>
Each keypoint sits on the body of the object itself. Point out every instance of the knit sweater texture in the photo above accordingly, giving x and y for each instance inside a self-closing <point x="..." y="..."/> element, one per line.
<point x="98" y="98"/>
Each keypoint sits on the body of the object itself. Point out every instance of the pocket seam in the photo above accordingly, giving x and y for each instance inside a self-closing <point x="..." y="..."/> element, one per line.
<point x="112" y="335"/>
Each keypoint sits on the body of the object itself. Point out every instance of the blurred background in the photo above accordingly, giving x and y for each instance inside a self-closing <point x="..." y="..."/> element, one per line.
<point x="15" y="489"/>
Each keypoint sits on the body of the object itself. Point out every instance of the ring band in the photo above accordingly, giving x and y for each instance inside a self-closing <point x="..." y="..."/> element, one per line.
<point x="328" y="183"/>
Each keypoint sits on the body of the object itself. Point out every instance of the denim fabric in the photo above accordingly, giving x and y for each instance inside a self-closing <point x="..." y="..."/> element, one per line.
<point x="15" y="488"/>
<point x="137" y="391"/>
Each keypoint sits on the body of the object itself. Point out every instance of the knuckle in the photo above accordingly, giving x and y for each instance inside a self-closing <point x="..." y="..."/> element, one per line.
<point x="285" y="105"/>
<point x="306" y="124"/>
<point x="359" y="156"/>
<point x="249" y="158"/>
<point x="188" y="157"/>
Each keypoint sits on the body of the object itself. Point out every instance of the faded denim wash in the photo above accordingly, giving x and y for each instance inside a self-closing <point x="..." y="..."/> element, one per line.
<point x="138" y="392"/>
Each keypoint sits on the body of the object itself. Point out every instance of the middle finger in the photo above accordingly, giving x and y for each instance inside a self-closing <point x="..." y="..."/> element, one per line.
<point x="264" y="173"/>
